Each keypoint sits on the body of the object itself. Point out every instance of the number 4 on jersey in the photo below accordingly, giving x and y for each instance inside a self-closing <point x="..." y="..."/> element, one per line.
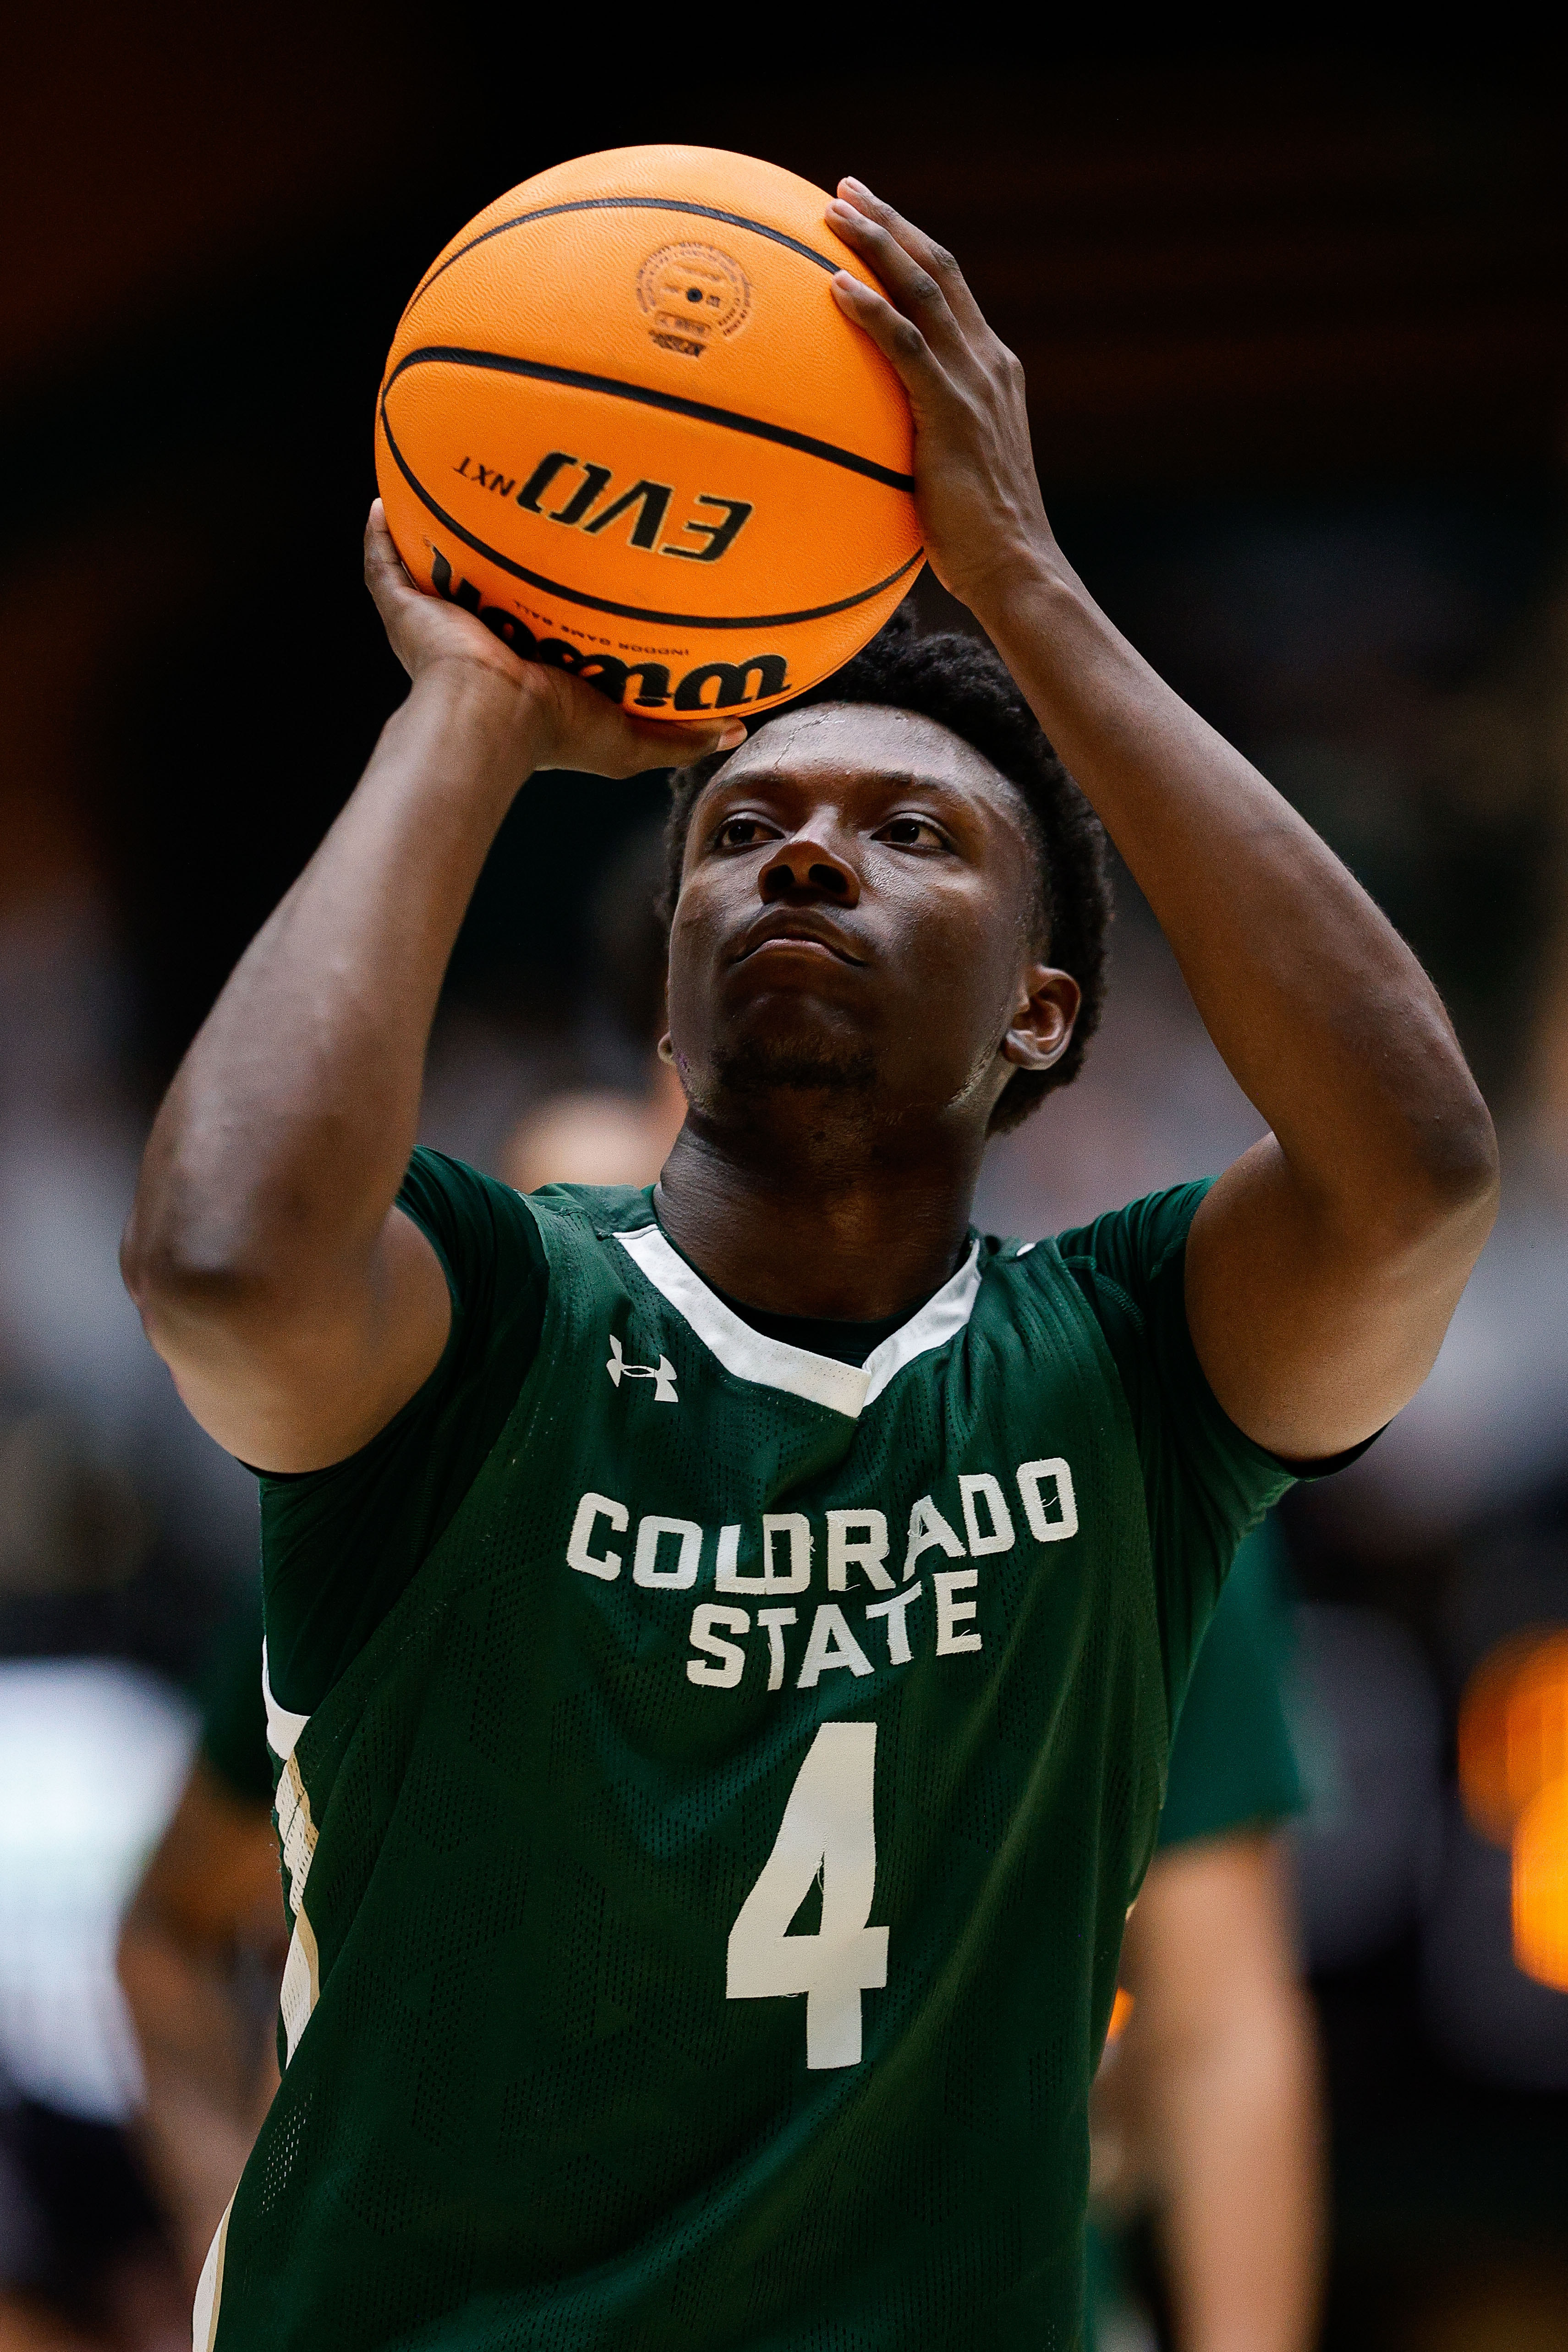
<point x="828" y="1826"/>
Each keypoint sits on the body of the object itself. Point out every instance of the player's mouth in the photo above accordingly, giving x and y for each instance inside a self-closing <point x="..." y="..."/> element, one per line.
<point x="785" y="932"/>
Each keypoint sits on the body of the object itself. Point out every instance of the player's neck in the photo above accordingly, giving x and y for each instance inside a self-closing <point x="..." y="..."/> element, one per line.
<point x="801" y="1220"/>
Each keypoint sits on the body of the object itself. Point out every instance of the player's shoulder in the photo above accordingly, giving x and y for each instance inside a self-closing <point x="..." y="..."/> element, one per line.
<point x="589" y="1214"/>
<point x="446" y="1195"/>
<point x="1028" y="1282"/>
<point x="1123" y="1255"/>
<point x="1007" y="1262"/>
<point x="499" y="1245"/>
<point x="1109" y="1270"/>
<point x="579" y="1229"/>
<point x="606" y="1208"/>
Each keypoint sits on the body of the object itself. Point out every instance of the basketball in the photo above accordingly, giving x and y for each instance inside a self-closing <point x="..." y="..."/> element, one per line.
<point x="635" y="360"/>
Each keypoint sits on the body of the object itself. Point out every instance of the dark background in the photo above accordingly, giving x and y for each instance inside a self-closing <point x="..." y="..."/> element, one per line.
<point x="1294" y="329"/>
<point x="1308" y="299"/>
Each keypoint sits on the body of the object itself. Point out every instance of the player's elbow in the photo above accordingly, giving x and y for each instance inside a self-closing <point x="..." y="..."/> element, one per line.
<point x="164" y="1271"/>
<point x="1410" y="1174"/>
<point x="184" y="1277"/>
<point x="1445" y="1195"/>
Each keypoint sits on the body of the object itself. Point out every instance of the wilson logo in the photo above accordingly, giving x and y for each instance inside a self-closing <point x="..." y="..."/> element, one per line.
<point x="711" y="686"/>
<point x="642" y="510"/>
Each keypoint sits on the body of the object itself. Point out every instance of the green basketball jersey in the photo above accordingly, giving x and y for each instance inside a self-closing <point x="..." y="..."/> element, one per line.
<point x="234" y="1716"/>
<point x="1233" y="1765"/>
<point x="708" y="1876"/>
<point x="1232" y="1771"/>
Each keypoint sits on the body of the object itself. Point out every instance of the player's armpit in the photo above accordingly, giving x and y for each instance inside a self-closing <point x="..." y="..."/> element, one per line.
<point x="292" y="1377"/>
<point x="1314" y="1322"/>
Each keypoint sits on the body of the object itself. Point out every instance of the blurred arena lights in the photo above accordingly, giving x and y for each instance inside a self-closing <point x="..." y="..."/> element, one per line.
<point x="1513" y="1776"/>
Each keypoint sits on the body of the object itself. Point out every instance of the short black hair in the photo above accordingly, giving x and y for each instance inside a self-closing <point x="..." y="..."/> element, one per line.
<point x="962" y="685"/>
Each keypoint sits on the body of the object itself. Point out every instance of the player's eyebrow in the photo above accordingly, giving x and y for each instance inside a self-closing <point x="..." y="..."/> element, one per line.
<point x="781" y="773"/>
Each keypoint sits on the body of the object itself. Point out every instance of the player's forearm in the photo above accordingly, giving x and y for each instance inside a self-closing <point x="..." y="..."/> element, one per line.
<point x="1320" y="1012"/>
<point x="279" y="1147"/>
<point x="195" y="2150"/>
<point x="200" y="2109"/>
<point x="1235" y="2131"/>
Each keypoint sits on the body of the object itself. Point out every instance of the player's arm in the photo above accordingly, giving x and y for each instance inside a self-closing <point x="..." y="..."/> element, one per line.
<point x="1218" y="2087"/>
<point x="297" y="1307"/>
<point x="1323" y="1267"/>
<point x="210" y="1904"/>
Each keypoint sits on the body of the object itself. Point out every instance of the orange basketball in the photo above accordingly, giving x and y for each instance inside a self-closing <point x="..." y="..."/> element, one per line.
<point x="625" y="422"/>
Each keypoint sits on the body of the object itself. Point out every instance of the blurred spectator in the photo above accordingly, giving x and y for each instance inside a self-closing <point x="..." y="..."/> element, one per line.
<point x="1369" y="1728"/>
<point x="613" y="1136"/>
<point x="91" y="1753"/>
<point x="69" y="1138"/>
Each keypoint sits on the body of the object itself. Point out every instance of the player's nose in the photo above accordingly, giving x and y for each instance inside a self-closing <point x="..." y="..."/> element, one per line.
<point x="810" y="868"/>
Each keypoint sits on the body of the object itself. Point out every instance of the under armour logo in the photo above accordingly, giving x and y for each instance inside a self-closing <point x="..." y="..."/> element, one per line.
<point x="662" y="1375"/>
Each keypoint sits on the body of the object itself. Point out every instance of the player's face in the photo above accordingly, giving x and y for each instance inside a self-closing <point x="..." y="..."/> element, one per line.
<point x="859" y="912"/>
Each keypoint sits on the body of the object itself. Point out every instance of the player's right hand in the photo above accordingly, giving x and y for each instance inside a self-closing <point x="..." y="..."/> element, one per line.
<point x="558" y="721"/>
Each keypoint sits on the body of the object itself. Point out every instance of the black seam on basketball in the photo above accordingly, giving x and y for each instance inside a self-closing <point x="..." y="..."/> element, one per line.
<point x="631" y="612"/>
<point x="452" y="355"/>
<point x="625" y="203"/>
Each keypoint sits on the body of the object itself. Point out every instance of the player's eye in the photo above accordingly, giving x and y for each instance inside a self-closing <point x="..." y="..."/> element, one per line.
<point x="741" y="832"/>
<point x="912" y="832"/>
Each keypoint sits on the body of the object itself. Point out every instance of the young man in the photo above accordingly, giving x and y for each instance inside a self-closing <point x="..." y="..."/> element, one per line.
<point x="723" y="1639"/>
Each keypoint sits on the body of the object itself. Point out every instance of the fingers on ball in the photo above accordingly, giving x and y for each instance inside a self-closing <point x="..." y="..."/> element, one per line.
<point x="903" y="270"/>
<point x="937" y="261"/>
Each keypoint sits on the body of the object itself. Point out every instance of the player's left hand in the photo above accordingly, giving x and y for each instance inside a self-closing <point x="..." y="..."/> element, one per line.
<point x="975" y="484"/>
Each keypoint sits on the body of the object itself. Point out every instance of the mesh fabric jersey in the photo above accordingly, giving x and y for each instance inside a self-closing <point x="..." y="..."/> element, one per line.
<point x="708" y="1877"/>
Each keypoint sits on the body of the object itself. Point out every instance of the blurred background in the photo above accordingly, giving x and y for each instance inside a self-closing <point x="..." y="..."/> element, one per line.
<point x="1294" y="328"/>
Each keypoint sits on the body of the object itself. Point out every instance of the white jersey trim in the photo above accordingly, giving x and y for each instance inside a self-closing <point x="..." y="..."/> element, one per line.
<point x="210" y="2289"/>
<point x="939" y="1320"/>
<point x="283" y="1726"/>
<point x="750" y="1355"/>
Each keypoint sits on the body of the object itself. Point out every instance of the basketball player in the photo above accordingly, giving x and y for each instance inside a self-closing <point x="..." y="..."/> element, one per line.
<point x="200" y="1957"/>
<point x="1205" y="2112"/>
<point x="721" y="1639"/>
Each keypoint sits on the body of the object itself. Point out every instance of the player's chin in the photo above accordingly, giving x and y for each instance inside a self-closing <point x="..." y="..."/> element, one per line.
<point x="794" y="1048"/>
<point x="781" y="1066"/>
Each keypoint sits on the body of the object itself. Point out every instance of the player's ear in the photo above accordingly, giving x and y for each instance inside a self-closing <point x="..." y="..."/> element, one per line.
<point x="1041" y="1028"/>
